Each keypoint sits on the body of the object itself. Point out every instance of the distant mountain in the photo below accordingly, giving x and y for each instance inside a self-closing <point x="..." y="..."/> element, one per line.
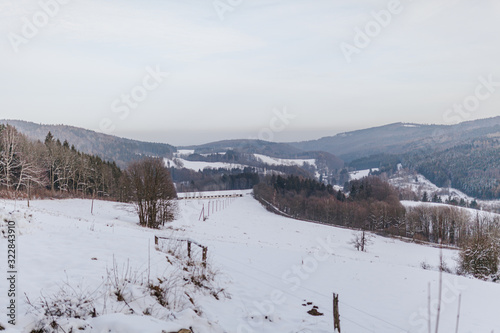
<point x="400" y="138"/>
<point x="465" y="155"/>
<point x="108" y="147"/>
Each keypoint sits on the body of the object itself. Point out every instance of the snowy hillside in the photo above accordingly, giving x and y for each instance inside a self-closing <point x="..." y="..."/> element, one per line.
<point x="283" y="161"/>
<point x="472" y="213"/>
<point x="200" y="165"/>
<point x="418" y="184"/>
<point x="180" y="161"/>
<point x="355" y="175"/>
<point x="273" y="271"/>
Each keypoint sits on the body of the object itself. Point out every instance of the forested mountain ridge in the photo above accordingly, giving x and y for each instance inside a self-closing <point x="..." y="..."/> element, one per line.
<point x="107" y="147"/>
<point x="401" y="138"/>
<point x="473" y="168"/>
<point x="465" y="156"/>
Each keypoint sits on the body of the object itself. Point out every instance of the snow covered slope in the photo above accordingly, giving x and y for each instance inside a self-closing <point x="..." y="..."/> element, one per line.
<point x="418" y="184"/>
<point x="200" y="165"/>
<point x="283" y="161"/>
<point x="355" y="175"/>
<point x="179" y="161"/>
<point x="273" y="269"/>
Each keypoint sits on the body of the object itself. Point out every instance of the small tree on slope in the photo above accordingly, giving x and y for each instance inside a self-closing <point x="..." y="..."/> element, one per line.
<point x="361" y="240"/>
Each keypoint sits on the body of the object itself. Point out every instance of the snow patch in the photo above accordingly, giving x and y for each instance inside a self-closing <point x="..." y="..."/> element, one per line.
<point x="356" y="175"/>
<point x="283" y="161"/>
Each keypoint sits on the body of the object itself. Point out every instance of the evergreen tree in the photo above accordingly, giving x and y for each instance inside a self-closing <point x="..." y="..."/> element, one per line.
<point x="49" y="139"/>
<point x="474" y="204"/>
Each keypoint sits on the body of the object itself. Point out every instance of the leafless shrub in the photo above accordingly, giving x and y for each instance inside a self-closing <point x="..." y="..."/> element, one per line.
<point x="361" y="240"/>
<point x="425" y="265"/>
<point x="118" y="279"/>
<point x="443" y="267"/>
<point x="199" y="274"/>
<point x="55" y="311"/>
<point x="168" y="292"/>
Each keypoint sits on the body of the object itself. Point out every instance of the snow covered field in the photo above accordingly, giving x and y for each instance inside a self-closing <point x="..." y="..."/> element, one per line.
<point x="180" y="162"/>
<point x="273" y="269"/>
<point x="200" y="165"/>
<point x="283" y="161"/>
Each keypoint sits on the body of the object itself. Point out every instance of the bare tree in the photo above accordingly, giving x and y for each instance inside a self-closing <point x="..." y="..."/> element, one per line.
<point x="150" y="187"/>
<point x="9" y="159"/>
<point x="31" y="173"/>
<point x="361" y="240"/>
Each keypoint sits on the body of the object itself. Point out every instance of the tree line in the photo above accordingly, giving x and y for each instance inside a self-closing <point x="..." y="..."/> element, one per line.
<point x="372" y="204"/>
<point x="212" y="179"/>
<point x="55" y="169"/>
<point x="33" y="167"/>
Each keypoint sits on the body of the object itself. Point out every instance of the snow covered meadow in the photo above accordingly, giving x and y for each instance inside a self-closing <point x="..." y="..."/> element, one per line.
<point x="265" y="273"/>
<point x="180" y="161"/>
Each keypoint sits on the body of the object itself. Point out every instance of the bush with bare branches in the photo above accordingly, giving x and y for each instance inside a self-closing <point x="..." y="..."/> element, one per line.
<point x="150" y="187"/>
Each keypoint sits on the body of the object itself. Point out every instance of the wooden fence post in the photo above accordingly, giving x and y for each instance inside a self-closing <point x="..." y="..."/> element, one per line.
<point x="205" y="249"/>
<point x="189" y="243"/>
<point x="202" y="213"/>
<point x="336" y="314"/>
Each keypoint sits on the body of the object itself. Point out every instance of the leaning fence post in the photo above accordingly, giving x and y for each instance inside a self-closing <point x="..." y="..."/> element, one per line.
<point x="336" y="314"/>
<point x="202" y="213"/>
<point x="156" y="240"/>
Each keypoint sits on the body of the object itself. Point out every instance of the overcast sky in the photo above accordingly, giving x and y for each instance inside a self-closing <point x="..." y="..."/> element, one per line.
<point x="233" y="68"/>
